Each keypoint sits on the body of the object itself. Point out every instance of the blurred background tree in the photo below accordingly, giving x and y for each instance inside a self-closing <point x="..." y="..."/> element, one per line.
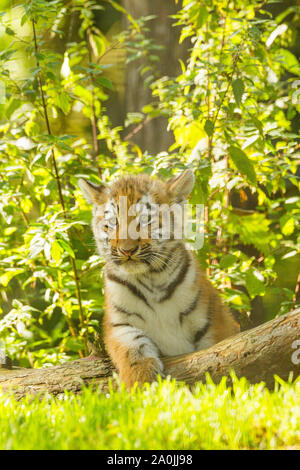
<point x="100" y="88"/>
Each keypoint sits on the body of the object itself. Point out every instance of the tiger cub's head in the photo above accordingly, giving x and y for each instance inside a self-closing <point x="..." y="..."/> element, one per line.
<point x="134" y="219"/>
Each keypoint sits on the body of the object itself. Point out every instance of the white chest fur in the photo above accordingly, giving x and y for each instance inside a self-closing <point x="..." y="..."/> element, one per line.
<point x="139" y="304"/>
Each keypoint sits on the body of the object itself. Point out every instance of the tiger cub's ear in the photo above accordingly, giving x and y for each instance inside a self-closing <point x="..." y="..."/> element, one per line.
<point x="93" y="194"/>
<point x="181" y="186"/>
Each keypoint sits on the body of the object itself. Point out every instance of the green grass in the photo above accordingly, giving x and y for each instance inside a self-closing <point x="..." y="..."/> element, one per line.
<point x="161" y="416"/>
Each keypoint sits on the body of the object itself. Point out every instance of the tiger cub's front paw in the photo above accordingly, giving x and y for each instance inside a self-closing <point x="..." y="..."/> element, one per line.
<point x="141" y="371"/>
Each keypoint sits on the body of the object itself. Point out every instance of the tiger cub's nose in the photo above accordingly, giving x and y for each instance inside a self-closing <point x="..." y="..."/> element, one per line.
<point x="129" y="251"/>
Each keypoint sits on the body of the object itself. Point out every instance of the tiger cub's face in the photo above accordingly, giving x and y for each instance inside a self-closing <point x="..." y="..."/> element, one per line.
<point x="133" y="219"/>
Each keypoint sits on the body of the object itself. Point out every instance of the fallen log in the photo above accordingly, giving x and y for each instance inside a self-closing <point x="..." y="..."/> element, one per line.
<point x="257" y="354"/>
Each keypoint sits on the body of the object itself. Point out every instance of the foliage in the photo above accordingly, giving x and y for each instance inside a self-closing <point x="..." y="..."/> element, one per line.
<point x="48" y="257"/>
<point x="210" y="417"/>
<point x="232" y="111"/>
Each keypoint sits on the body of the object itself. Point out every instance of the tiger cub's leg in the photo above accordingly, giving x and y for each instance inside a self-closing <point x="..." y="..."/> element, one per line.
<point x="135" y="356"/>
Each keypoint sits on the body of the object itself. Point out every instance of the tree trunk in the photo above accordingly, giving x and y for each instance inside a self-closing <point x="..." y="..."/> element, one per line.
<point x="257" y="354"/>
<point x="154" y="136"/>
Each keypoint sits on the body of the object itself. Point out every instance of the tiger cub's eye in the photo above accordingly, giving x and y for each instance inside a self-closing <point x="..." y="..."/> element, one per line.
<point x="112" y="222"/>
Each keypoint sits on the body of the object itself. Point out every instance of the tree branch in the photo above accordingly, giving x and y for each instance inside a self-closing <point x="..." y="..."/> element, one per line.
<point x="256" y="354"/>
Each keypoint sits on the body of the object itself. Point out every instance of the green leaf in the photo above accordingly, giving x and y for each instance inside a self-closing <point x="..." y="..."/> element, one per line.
<point x="133" y="118"/>
<point x="63" y="101"/>
<point x="255" y="283"/>
<point x="227" y="261"/>
<point x="200" y="191"/>
<point x="65" y="246"/>
<point x="118" y="7"/>
<point x="64" y="146"/>
<point x="252" y="229"/>
<point x="17" y="304"/>
<point x="56" y="251"/>
<point x="242" y="162"/>
<point x="238" y="90"/>
<point x="8" y="275"/>
<point x="201" y="16"/>
<point x="103" y="81"/>
<point x="26" y="205"/>
<point x="257" y="124"/>
<point x="36" y="246"/>
<point x="209" y="127"/>
<point x="98" y="44"/>
<point x="188" y="134"/>
<point x="32" y="128"/>
<point x="13" y="104"/>
<point x="73" y="344"/>
<point x="9" y="31"/>
<point x="123" y="10"/>
<point x="50" y="75"/>
<point x="250" y="141"/>
<point x="24" y="20"/>
<point x="287" y="224"/>
<point x="288" y="61"/>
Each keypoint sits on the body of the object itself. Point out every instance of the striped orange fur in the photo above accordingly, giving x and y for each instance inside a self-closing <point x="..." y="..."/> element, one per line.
<point x="158" y="301"/>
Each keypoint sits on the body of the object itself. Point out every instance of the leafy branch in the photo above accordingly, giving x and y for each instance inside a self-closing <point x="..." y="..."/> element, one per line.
<point x="59" y="187"/>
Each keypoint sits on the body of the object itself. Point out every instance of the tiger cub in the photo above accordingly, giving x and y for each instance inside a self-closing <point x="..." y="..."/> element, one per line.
<point x="158" y="301"/>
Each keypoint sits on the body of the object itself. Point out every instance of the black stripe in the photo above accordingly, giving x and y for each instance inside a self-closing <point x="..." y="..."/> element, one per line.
<point x="200" y="333"/>
<point x="122" y="310"/>
<point x="174" y="270"/>
<point x="120" y="324"/>
<point x="190" y="308"/>
<point x="146" y="261"/>
<point x="158" y="270"/>
<point x="163" y="287"/>
<point x="166" y="252"/>
<point x="138" y="337"/>
<point x="178" y="280"/>
<point x="145" y="286"/>
<point x="133" y="289"/>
